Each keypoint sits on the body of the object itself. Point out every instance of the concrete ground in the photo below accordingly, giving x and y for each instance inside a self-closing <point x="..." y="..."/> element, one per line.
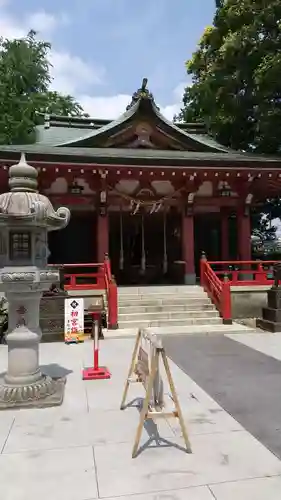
<point x="244" y="381"/>
<point x="82" y="450"/>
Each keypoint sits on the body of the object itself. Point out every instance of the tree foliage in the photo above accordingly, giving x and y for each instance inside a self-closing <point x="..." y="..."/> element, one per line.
<point x="236" y="72"/>
<point x="24" y="89"/>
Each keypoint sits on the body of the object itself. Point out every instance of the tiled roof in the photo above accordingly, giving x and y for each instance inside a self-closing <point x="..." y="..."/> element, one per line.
<point x="149" y="156"/>
<point x="78" y="131"/>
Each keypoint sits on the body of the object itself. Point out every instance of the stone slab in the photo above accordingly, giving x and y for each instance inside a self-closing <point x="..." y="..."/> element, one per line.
<point x="48" y="431"/>
<point x="207" y="329"/>
<point x="216" y="458"/>
<point x="243" y="381"/>
<point x="200" y="493"/>
<point x="6" y="423"/>
<point x="67" y="471"/>
<point x="53" y="474"/>
<point x="266" y="488"/>
<point x="270" y="326"/>
<point x="267" y="343"/>
<point x="205" y="421"/>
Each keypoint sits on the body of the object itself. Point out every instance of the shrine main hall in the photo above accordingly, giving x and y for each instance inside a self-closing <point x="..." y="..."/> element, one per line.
<point x="150" y="193"/>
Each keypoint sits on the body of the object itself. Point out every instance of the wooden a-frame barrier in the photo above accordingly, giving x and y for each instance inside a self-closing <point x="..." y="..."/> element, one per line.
<point x="144" y="368"/>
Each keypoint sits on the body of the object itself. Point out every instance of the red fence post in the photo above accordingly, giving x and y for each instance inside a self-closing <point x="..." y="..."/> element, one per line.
<point x="226" y="302"/>
<point x="112" y="305"/>
<point x="72" y="282"/>
<point x="203" y="261"/>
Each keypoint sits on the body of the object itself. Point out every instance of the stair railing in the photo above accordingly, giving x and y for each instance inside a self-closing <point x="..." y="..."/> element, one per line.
<point x="112" y="295"/>
<point x="218" y="291"/>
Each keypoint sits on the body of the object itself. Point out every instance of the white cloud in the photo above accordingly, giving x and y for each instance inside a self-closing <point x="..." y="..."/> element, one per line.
<point x="43" y="22"/>
<point x="9" y="28"/>
<point x="113" y="106"/>
<point x="40" y="21"/>
<point x="71" y="74"/>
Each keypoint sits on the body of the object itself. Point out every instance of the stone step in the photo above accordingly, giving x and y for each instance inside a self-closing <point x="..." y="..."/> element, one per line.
<point x="194" y="306"/>
<point x="165" y="293"/>
<point x="139" y="290"/>
<point x="167" y="315"/>
<point x="208" y="329"/>
<point x="162" y="298"/>
<point x="166" y="305"/>
<point x="170" y="322"/>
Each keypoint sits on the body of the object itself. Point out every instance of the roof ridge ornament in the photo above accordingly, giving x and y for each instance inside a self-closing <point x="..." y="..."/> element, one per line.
<point x="23" y="177"/>
<point x="142" y="93"/>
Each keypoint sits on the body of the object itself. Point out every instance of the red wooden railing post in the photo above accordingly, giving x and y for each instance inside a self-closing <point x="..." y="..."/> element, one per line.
<point x="226" y="302"/>
<point x="112" y="295"/>
<point x="261" y="274"/>
<point x="203" y="261"/>
<point x="72" y="282"/>
<point x="112" y="305"/>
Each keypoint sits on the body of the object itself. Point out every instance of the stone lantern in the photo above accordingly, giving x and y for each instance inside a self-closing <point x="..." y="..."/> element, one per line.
<point x="25" y="219"/>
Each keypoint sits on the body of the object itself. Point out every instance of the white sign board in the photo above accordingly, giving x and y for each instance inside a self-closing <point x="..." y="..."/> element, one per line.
<point x="143" y="370"/>
<point x="74" y="320"/>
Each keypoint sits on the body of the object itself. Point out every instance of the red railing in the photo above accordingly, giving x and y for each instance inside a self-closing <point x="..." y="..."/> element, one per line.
<point x="217" y="290"/>
<point x="112" y="297"/>
<point x="244" y="272"/>
<point x="83" y="280"/>
<point x="216" y="277"/>
<point x="101" y="279"/>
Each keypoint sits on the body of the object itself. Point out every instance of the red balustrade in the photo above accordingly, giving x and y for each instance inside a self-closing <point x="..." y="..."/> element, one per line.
<point x="112" y="297"/>
<point x="216" y="277"/>
<point x="245" y="272"/>
<point x="101" y="279"/>
<point x="217" y="290"/>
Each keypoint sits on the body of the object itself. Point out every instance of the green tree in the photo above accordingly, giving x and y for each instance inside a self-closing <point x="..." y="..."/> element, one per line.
<point x="57" y="104"/>
<point x="24" y="89"/>
<point x="236" y="76"/>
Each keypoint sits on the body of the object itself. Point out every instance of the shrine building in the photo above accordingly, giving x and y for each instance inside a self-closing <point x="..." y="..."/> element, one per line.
<point x="151" y="193"/>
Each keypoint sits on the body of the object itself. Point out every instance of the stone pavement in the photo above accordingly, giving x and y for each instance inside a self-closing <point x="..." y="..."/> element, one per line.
<point x="82" y="450"/>
<point x="244" y="381"/>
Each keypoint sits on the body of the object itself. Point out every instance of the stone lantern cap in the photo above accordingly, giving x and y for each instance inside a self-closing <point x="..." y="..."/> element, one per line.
<point x="23" y="204"/>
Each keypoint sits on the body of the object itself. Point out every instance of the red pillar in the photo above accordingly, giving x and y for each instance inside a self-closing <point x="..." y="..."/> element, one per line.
<point x="224" y="235"/>
<point x="188" y="248"/>
<point x="102" y="237"/>
<point x="244" y="234"/>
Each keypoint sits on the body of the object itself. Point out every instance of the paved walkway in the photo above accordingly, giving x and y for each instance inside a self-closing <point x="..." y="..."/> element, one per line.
<point x="244" y="381"/>
<point x="82" y="450"/>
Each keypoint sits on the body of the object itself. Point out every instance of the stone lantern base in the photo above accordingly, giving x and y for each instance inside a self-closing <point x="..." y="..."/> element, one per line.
<point x="45" y="392"/>
<point x="25" y="219"/>
<point x="24" y="385"/>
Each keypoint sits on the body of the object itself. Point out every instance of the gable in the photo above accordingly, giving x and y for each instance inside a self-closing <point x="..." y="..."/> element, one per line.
<point x="142" y="126"/>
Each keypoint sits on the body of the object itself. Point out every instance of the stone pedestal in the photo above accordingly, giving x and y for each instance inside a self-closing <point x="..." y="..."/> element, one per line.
<point x="271" y="315"/>
<point x="25" y="219"/>
<point x="24" y="385"/>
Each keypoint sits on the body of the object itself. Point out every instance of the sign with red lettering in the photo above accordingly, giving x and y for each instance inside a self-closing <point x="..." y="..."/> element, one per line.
<point x="74" y="320"/>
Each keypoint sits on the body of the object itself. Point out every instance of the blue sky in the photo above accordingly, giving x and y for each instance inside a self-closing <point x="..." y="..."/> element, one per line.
<point x="103" y="48"/>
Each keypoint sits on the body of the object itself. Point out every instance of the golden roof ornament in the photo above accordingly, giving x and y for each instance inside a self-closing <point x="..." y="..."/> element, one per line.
<point x="141" y="93"/>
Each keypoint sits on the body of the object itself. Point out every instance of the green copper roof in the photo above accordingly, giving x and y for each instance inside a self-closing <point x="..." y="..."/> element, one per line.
<point x="56" y="135"/>
<point x="133" y="109"/>
<point x="135" y="156"/>
<point x="88" y="132"/>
